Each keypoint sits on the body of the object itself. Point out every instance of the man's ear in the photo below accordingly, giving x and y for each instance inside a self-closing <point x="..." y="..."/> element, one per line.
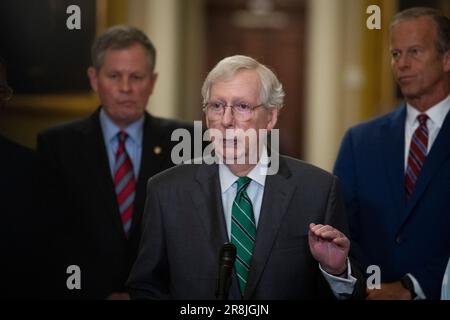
<point x="93" y="78"/>
<point x="153" y="78"/>
<point x="446" y="61"/>
<point x="273" y="117"/>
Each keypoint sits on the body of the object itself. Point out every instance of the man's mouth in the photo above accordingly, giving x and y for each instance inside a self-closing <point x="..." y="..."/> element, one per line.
<point x="406" y="79"/>
<point x="126" y="102"/>
<point x="230" y="142"/>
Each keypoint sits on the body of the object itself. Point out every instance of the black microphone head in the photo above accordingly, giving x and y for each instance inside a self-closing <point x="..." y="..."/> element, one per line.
<point x="226" y="263"/>
<point x="228" y="253"/>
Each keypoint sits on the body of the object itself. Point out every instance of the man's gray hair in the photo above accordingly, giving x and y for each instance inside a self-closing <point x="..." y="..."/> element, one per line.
<point x="271" y="95"/>
<point x="442" y="24"/>
<point x="121" y="37"/>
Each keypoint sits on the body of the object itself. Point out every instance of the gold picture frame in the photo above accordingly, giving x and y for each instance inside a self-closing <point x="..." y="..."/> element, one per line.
<point x="71" y="105"/>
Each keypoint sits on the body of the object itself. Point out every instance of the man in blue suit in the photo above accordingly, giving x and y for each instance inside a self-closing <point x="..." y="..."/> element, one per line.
<point x="395" y="170"/>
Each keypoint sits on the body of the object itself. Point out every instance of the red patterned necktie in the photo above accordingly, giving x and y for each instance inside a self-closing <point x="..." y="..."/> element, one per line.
<point x="125" y="183"/>
<point x="417" y="154"/>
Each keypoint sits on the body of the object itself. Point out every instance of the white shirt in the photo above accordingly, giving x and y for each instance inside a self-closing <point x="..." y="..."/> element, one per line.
<point x="342" y="288"/>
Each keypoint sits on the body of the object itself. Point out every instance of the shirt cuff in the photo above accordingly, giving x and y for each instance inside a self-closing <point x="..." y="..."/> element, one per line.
<point x="342" y="287"/>
<point x="420" y="295"/>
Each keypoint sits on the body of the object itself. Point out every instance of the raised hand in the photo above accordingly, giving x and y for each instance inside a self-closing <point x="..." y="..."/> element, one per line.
<point x="329" y="247"/>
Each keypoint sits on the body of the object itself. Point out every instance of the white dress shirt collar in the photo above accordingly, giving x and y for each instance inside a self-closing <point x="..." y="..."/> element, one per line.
<point x="436" y="113"/>
<point x="257" y="174"/>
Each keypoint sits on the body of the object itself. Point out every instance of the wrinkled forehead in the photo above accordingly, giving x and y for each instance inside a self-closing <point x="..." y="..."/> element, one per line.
<point x="413" y="32"/>
<point x="242" y="84"/>
<point x="424" y="25"/>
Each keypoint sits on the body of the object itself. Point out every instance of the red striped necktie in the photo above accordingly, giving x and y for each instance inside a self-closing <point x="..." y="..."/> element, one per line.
<point x="125" y="183"/>
<point x="417" y="154"/>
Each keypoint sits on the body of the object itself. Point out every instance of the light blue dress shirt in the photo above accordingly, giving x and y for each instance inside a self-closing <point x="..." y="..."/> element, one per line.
<point x="133" y="144"/>
<point x="341" y="287"/>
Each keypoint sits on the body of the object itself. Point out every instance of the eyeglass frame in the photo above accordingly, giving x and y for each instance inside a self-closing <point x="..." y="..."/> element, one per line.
<point x="232" y="106"/>
<point x="8" y="92"/>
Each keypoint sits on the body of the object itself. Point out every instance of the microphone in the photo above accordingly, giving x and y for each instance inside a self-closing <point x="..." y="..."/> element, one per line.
<point x="226" y="263"/>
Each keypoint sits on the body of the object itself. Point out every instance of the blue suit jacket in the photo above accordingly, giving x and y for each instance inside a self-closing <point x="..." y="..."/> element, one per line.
<point x="400" y="237"/>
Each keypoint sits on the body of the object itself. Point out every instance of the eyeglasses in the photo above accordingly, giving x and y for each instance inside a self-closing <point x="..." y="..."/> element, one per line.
<point x="5" y="92"/>
<point x="240" y="111"/>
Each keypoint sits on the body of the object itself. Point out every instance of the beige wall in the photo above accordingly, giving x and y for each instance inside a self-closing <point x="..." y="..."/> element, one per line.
<point x="323" y="78"/>
<point x="176" y="29"/>
<point x="160" y="20"/>
<point x="348" y="76"/>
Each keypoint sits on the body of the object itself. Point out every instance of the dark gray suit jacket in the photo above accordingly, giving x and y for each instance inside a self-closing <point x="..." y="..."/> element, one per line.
<point x="184" y="229"/>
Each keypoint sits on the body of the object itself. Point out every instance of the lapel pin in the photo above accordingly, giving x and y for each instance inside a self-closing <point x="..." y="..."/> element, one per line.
<point x="157" y="150"/>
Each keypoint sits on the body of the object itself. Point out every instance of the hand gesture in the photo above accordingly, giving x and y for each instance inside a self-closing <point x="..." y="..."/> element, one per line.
<point x="329" y="247"/>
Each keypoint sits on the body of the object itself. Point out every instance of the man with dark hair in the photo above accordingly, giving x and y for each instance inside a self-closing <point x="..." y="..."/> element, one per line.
<point x="95" y="170"/>
<point x="16" y="191"/>
<point x="395" y="170"/>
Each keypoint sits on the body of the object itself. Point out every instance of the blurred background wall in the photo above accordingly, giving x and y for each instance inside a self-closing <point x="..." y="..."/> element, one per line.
<point x="336" y="72"/>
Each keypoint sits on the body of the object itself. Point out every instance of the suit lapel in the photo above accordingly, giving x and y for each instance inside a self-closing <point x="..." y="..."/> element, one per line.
<point x="392" y="148"/>
<point x="208" y="205"/>
<point x="277" y="195"/>
<point x="97" y="160"/>
<point x="438" y="153"/>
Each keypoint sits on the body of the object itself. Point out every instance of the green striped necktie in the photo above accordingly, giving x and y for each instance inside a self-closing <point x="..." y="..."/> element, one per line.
<point x="243" y="231"/>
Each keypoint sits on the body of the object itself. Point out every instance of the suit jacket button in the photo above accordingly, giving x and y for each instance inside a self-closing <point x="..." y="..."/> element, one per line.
<point x="399" y="239"/>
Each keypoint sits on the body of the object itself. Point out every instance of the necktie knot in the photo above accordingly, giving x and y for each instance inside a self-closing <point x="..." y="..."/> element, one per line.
<point x="122" y="136"/>
<point x="422" y="118"/>
<point x="242" y="183"/>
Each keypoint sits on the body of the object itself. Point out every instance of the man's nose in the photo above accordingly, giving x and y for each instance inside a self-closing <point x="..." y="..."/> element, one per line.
<point x="125" y="84"/>
<point x="403" y="62"/>
<point x="228" y="117"/>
